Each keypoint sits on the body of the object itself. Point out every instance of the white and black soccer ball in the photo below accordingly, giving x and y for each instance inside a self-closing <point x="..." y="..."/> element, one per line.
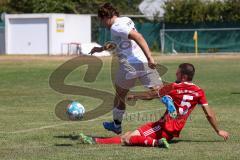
<point x="75" y="110"/>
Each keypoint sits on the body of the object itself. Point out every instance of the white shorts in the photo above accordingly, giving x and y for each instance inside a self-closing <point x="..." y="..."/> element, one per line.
<point x="128" y="74"/>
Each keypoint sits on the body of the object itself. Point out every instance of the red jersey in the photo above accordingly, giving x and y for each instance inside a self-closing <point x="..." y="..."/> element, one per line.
<point x="185" y="96"/>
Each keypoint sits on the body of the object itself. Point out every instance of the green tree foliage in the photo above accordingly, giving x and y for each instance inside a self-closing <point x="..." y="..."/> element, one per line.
<point x="42" y="6"/>
<point x="214" y="11"/>
<point x="68" y="6"/>
<point x="184" y="11"/>
<point x="196" y="11"/>
<point x="124" y="6"/>
<point x="3" y="2"/>
<point x="4" y="6"/>
<point x="232" y="11"/>
<point x="177" y="11"/>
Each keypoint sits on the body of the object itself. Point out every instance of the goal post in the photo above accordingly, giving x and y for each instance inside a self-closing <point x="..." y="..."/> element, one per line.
<point x="210" y="40"/>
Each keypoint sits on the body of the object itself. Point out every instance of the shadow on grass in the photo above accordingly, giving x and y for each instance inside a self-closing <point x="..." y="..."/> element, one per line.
<point x="235" y="93"/>
<point x="193" y="141"/>
<point x="64" y="145"/>
<point x="75" y="137"/>
<point x="70" y="136"/>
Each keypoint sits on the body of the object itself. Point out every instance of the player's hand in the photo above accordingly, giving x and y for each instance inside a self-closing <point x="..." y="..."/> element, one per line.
<point x="223" y="134"/>
<point x="96" y="49"/>
<point x="131" y="97"/>
<point x="151" y="63"/>
<point x="110" y="46"/>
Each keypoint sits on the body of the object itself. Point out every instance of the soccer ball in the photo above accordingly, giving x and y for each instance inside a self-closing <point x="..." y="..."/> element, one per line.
<point x="75" y="110"/>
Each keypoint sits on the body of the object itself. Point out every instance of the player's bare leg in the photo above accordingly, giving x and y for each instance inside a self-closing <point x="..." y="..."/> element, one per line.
<point x="129" y="138"/>
<point x="118" y="111"/>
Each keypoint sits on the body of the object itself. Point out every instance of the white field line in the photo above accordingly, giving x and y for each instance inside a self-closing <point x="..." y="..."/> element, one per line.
<point x="71" y="122"/>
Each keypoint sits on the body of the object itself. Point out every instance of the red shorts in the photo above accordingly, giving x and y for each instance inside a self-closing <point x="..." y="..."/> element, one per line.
<point x="154" y="130"/>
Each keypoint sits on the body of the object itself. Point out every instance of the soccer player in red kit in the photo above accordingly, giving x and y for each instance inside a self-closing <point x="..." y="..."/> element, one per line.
<point x="180" y="100"/>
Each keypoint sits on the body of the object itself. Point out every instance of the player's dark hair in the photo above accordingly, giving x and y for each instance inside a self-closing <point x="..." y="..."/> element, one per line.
<point x="107" y="10"/>
<point x="187" y="69"/>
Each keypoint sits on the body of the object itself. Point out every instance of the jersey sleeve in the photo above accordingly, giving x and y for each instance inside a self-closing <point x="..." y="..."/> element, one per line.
<point x="202" y="99"/>
<point x="123" y="28"/>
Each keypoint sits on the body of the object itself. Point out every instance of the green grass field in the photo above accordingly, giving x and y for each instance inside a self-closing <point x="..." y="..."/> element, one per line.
<point x="29" y="128"/>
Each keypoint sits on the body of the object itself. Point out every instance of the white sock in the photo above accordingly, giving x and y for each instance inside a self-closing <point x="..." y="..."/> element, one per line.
<point x="118" y="115"/>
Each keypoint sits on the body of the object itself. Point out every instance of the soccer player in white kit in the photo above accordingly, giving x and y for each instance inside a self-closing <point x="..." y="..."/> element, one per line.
<point x="134" y="57"/>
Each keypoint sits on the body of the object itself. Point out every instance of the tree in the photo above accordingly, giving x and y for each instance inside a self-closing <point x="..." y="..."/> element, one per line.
<point x="215" y="11"/>
<point x="196" y="11"/>
<point x="70" y="6"/>
<point x="4" y="6"/>
<point x="184" y="11"/>
<point x="42" y="6"/>
<point x="231" y="13"/>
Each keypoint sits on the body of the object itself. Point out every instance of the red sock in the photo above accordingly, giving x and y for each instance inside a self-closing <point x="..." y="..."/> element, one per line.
<point x="111" y="140"/>
<point x="142" y="141"/>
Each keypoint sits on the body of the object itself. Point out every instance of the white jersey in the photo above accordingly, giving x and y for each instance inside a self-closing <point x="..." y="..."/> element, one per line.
<point x="126" y="49"/>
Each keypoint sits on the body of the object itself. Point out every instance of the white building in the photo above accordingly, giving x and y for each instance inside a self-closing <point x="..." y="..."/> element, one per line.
<point x="2" y="40"/>
<point x="49" y="34"/>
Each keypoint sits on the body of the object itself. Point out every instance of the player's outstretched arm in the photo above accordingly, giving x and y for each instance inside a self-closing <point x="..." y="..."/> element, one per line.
<point x="138" y="38"/>
<point x="109" y="46"/>
<point x="210" y="115"/>
<point x="148" y="95"/>
<point x="151" y="94"/>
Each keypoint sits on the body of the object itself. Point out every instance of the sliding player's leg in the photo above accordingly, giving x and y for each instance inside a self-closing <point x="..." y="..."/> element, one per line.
<point x="112" y="140"/>
<point x="86" y="139"/>
<point x="150" y="134"/>
<point x="130" y="138"/>
<point x="103" y="140"/>
<point x="134" y="138"/>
